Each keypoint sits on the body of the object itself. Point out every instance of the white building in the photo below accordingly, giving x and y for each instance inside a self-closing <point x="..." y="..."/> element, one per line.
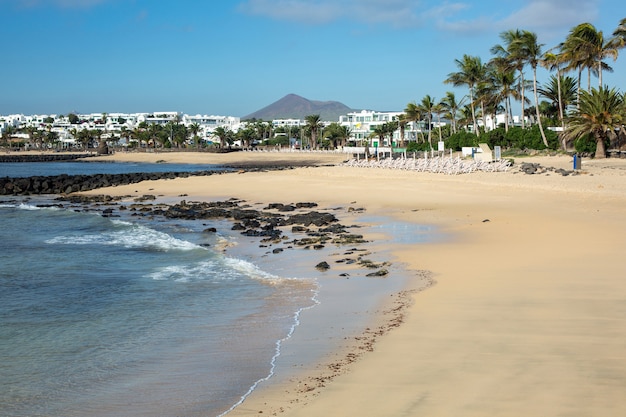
<point x="363" y="123"/>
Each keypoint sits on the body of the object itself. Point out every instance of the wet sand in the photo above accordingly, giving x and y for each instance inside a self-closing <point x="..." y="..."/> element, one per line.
<point x="526" y="314"/>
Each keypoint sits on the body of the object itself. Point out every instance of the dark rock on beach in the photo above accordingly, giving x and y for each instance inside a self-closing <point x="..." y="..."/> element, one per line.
<point x="323" y="266"/>
<point x="534" y="168"/>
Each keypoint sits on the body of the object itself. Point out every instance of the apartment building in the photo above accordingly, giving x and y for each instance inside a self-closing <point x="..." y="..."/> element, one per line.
<point x="362" y="125"/>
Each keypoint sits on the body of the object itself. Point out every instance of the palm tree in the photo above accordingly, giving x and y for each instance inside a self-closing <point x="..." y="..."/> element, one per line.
<point x="512" y="52"/>
<point x="451" y="108"/>
<point x="531" y="51"/>
<point x="85" y="137"/>
<point x="246" y="135"/>
<point x="471" y="71"/>
<point x="31" y="131"/>
<point x="337" y="134"/>
<point x="586" y="48"/>
<point x="619" y="35"/>
<point x="222" y="133"/>
<point x="7" y="134"/>
<point x="600" y="111"/>
<point x="344" y="134"/>
<point x="379" y="132"/>
<point x="193" y="130"/>
<point x="125" y="134"/>
<point x="503" y="80"/>
<point x="552" y="61"/>
<point x="487" y="96"/>
<point x="313" y="125"/>
<point x="402" y="121"/>
<point x="562" y="93"/>
<point x="426" y="107"/>
<point x="466" y="116"/>
<point x="157" y="135"/>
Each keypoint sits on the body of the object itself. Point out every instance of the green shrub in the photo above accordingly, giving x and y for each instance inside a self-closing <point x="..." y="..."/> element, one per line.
<point x="461" y="139"/>
<point x="418" y="147"/>
<point x="587" y="145"/>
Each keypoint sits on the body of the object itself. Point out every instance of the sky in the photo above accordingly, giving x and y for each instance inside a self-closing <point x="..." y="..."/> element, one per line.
<point x="233" y="57"/>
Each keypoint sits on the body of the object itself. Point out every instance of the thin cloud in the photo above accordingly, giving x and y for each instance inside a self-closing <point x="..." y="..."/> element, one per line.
<point x="548" y="18"/>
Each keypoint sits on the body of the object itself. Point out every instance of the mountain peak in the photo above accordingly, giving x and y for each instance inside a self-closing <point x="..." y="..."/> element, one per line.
<point x="293" y="106"/>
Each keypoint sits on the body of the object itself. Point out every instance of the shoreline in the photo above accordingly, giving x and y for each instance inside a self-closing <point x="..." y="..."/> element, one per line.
<point x="525" y="316"/>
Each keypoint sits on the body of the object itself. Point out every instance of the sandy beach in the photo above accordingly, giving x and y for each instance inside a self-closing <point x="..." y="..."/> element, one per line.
<point x="527" y="311"/>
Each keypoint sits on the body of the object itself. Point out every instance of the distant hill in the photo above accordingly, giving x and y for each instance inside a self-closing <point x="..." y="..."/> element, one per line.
<point x="292" y="106"/>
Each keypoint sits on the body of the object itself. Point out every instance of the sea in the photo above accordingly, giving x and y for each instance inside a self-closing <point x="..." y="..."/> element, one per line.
<point x="119" y="315"/>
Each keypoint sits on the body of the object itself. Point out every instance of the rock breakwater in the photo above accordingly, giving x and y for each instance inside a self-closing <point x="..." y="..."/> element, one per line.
<point x="66" y="184"/>
<point x="44" y="157"/>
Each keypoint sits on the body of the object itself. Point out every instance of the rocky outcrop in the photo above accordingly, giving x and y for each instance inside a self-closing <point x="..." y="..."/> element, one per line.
<point x="534" y="168"/>
<point x="65" y="184"/>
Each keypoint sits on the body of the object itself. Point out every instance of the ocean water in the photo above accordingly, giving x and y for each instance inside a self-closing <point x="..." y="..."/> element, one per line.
<point x="28" y="169"/>
<point x="132" y="316"/>
<point x="107" y="317"/>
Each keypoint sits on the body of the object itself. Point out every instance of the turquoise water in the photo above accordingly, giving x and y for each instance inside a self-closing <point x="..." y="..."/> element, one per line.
<point x="107" y="317"/>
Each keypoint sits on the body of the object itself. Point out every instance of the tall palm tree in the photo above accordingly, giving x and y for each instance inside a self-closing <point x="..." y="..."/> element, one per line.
<point x="600" y="111"/>
<point x="531" y="50"/>
<point x="554" y="62"/>
<point x="503" y="79"/>
<point x="426" y="107"/>
<point x="512" y="52"/>
<point x="471" y="71"/>
<point x="313" y="125"/>
<point x="412" y="112"/>
<point x="487" y="97"/>
<point x="402" y="121"/>
<point x="466" y="115"/>
<point x="390" y="128"/>
<point x="451" y="108"/>
<point x="562" y="93"/>
<point x="587" y="48"/>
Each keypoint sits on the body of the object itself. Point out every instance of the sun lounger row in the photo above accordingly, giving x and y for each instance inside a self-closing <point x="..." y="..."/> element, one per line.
<point x="449" y="166"/>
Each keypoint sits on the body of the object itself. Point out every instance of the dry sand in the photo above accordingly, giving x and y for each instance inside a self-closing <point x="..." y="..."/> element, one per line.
<point x="527" y="314"/>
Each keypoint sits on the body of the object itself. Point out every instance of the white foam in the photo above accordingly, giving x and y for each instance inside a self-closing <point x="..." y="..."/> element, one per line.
<point x="251" y="270"/>
<point x="130" y="236"/>
<point x="185" y="273"/>
<point x="29" y="207"/>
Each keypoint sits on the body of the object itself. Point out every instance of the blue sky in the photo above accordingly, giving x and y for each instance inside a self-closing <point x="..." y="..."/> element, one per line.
<point x="233" y="57"/>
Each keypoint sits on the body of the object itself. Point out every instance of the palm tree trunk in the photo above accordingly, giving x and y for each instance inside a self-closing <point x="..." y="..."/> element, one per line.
<point x="600" y="151"/>
<point x="482" y="110"/>
<point x="578" y="86"/>
<point x="523" y="97"/>
<point x="506" y="115"/>
<point x="543" y="134"/>
<point x="558" y="87"/>
<point x="476" y="131"/>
